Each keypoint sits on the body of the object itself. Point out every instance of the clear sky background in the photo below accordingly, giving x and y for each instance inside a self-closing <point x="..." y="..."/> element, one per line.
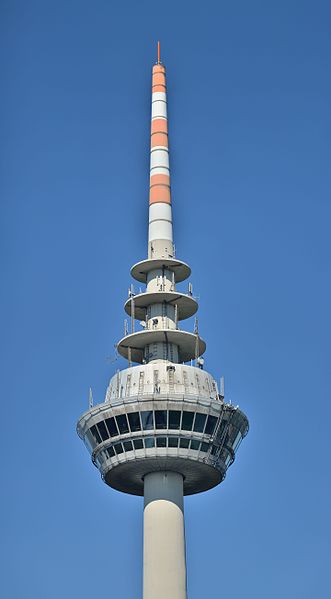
<point x="249" y="108"/>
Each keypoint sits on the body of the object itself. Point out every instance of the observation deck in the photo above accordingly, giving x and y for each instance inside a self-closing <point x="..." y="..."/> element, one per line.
<point x="194" y="434"/>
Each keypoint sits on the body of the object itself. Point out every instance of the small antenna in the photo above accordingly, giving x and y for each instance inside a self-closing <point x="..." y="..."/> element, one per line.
<point x="132" y="314"/>
<point x="196" y="332"/>
<point x="222" y="387"/>
<point x="158" y="53"/>
<point x="90" y="399"/>
<point x="196" y="326"/>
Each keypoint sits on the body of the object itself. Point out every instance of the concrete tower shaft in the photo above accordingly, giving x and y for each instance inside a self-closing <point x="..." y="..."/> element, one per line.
<point x="164" y="536"/>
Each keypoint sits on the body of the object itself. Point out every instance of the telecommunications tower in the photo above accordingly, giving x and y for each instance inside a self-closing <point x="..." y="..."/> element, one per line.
<point x="164" y="429"/>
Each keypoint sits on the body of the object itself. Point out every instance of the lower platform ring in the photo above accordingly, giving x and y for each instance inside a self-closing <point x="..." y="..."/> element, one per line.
<point x="128" y="477"/>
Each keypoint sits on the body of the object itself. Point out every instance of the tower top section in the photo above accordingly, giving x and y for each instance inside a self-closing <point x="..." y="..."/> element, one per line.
<point x="160" y="307"/>
<point x="163" y="412"/>
<point x="161" y="248"/>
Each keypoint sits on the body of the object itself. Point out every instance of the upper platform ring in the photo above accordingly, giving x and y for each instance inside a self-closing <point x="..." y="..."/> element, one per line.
<point x="140" y="270"/>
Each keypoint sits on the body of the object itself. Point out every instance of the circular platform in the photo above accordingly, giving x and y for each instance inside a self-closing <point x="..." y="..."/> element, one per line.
<point x="140" y="270"/>
<point x="187" y="306"/>
<point x="185" y="341"/>
<point x="129" y="476"/>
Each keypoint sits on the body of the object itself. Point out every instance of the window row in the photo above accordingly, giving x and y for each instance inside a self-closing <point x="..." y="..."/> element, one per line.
<point x="151" y="442"/>
<point x="150" y="420"/>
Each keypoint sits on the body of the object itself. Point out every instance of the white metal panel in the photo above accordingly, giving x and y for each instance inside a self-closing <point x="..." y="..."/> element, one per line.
<point x="160" y="158"/>
<point x="159" y="109"/>
<point x="160" y="210"/>
<point x="159" y="96"/>
<point x="160" y="229"/>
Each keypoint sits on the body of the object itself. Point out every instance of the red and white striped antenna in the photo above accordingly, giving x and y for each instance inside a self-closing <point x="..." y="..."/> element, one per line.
<point x="160" y="238"/>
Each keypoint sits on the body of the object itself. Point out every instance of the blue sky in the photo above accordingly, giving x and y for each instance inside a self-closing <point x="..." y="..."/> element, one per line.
<point x="249" y="109"/>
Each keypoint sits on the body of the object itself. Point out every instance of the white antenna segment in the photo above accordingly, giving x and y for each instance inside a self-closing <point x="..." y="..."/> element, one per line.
<point x="90" y="399"/>
<point x="222" y="387"/>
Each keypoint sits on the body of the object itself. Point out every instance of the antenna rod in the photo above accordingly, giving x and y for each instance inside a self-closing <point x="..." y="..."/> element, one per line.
<point x="90" y="399"/>
<point x="160" y="233"/>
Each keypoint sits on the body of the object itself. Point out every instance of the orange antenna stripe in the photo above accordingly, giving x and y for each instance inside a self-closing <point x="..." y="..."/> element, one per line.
<point x="158" y="52"/>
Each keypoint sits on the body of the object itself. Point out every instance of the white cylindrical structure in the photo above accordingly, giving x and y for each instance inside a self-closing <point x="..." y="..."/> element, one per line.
<point x="160" y="222"/>
<point x="164" y="537"/>
<point x="160" y="240"/>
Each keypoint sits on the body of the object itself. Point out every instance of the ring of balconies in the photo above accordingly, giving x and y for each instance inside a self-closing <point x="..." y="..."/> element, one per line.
<point x="130" y="441"/>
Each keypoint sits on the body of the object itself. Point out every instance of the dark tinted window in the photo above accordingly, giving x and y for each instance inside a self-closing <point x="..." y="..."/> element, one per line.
<point x="199" y="422"/>
<point x="174" y="419"/>
<point x="110" y="422"/>
<point x="89" y="440"/>
<point x="184" y="443"/>
<point x="100" y="459"/>
<point x="147" y="420"/>
<point x="127" y="445"/>
<point x="173" y="442"/>
<point x="103" y="431"/>
<point x="118" y="448"/>
<point x="149" y="442"/>
<point x="204" y="447"/>
<point x="161" y="442"/>
<point x="237" y="442"/>
<point x="160" y="419"/>
<point x="122" y="424"/>
<point x="187" y="421"/>
<point x="210" y="426"/>
<point x="213" y="450"/>
<point x="95" y="434"/>
<point x="134" y="421"/>
<point x="222" y="428"/>
<point x="110" y="452"/>
<point x="195" y="444"/>
<point x="138" y="443"/>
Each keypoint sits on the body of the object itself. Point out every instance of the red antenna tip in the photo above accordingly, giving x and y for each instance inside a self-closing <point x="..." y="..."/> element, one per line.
<point x="158" y="52"/>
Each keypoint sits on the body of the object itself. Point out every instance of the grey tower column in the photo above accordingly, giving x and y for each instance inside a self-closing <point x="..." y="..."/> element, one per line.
<point x="164" y="537"/>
